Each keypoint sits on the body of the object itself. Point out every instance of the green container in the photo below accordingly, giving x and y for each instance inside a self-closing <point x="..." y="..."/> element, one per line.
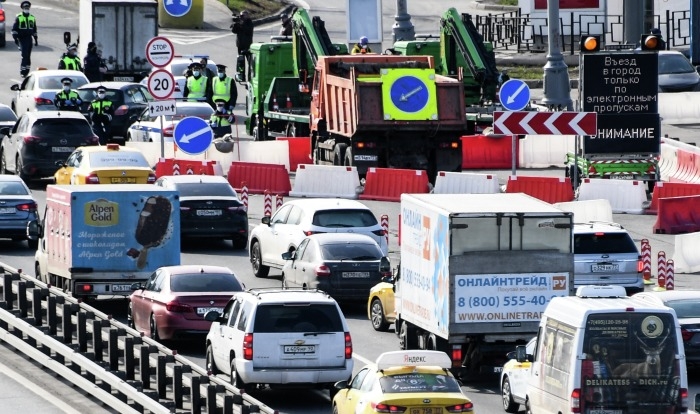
<point x="193" y="19"/>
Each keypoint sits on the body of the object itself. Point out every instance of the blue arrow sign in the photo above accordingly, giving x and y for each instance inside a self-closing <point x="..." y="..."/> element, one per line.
<point x="514" y="95"/>
<point x="193" y="135"/>
<point x="177" y="8"/>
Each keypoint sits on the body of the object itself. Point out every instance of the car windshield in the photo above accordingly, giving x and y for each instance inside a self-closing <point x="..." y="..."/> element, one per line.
<point x="418" y="382"/>
<point x="91" y="94"/>
<point x="205" y="189"/>
<point x="595" y="243"/>
<point x="297" y="317"/>
<point x="10" y="188"/>
<point x="67" y="128"/>
<point x="674" y="63"/>
<point x="344" y="218"/>
<point x="6" y="114"/>
<point x="54" y="82"/>
<point x="121" y="159"/>
<point x="200" y="111"/>
<point x="685" y="308"/>
<point x="355" y="251"/>
<point x="204" y="282"/>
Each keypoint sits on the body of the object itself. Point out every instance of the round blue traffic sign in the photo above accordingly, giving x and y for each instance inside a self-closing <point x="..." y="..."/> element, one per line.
<point x="177" y="8"/>
<point x="514" y="94"/>
<point x="193" y="135"/>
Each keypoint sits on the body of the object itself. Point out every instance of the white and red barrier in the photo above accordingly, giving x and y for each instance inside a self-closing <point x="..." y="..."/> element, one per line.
<point x="267" y="206"/>
<point x="661" y="273"/>
<point x="465" y="183"/>
<point x="625" y="196"/>
<point x="385" y="226"/>
<point x="670" y="275"/>
<point x="685" y="252"/>
<point x="244" y="196"/>
<point x="325" y="181"/>
<point x="588" y="210"/>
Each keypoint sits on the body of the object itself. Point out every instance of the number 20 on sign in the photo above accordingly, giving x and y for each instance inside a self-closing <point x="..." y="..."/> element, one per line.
<point x="161" y="84"/>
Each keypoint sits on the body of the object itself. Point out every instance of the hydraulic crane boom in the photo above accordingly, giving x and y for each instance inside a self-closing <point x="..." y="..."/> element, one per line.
<point x="310" y="40"/>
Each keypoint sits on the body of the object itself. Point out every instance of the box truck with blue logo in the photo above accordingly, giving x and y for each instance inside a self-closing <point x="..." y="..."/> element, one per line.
<point x="476" y="273"/>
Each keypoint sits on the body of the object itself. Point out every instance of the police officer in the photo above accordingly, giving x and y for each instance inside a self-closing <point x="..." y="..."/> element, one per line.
<point x="223" y="87"/>
<point x="67" y="99"/>
<point x="101" y="111"/>
<point x="70" y="59"/>
<point x="221" y="119"/>
<point x="196" y="85"/>
<point x="92" y="62"/>
<point x="23" y="30"/>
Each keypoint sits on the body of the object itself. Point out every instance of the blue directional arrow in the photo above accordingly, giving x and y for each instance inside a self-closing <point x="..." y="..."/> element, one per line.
<point x="514" y="95"/>
<point x="193" y="135"/>
<point x="177" y="8"/>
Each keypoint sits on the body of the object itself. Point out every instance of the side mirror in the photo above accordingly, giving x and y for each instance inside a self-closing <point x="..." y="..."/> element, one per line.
<point x="341" y="385"/>
<point x="15" y="87"/>
<point x="212" y="316"/>
<point x="511" y="355"/>
<point x="697" y="402"/>
<point x="35" y="230"/>
<point x="137" y="286"/>
<point x="60" y="164"/>
<point x="5" y="131"/>
<point x="520" y="353"/>
<point x="385" y="268"/>
<point x="288" y="255"/>
<point x="265" y="220"/>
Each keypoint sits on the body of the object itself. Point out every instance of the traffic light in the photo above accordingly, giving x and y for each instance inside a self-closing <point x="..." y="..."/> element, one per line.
<point x="652" y="42"/>
<point x="590" y="44"/>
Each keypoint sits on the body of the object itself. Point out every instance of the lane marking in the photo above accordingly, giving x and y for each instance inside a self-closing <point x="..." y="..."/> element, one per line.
<point x="14" y="375"/>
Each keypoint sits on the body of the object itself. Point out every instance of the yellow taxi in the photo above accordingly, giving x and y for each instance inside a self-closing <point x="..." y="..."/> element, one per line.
<point x="381" y="309"/>
<point x="105" y="164"/>
<point x="406" y="382"/>
<point x="514" y="377"/>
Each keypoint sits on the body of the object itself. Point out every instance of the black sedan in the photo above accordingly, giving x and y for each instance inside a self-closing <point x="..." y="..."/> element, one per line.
<point x="7" y="116"/>
<point x="128" y="100"/>
<point x="17" y="208"/>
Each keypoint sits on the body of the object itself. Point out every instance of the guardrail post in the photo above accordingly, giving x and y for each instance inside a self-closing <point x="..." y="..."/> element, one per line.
<point x="177" y="386"/>
<point x="113" y="349"/>
<point x="36" y="307"/>
<point x="8" y="296"/>
<point x="195" y="395"/>
<point x="22" y="299"/>
<point x="161" y="376"/>
<point x="97" y="340"/>
<point x="51" y="318"/>
<point x="145" y="366"/>
<point x="211" y="399"/>
<point x="82" y="332"/>
<point x="228" y="404"/>
<point x="253" y="408"/>
<point x="129" y="357"/>
<point x="67" y="323"/>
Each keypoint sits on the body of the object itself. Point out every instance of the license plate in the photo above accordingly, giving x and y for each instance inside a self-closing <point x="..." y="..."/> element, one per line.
<point x="622" y="177"/>
<point x="208" y="213"/>
<point x="62" y="149"/>
<point x="299" y="349"/>
<point x="203" y="311"/>
<point x="497" y="370"/>
<point x="123" y="78"/>
<point x="358" y="275"/>
<point x="605" y="268"/>
<point x="425" y="410"/>
<point x="123" y="180"/>
<point x="366" y="157"/>
<point x="7" y="210"/>
<point x="121" y="288"/>
<point x="599" y="411"/>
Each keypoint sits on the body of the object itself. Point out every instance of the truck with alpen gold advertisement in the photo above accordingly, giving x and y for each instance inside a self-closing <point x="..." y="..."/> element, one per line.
<point x="99" y="240"/>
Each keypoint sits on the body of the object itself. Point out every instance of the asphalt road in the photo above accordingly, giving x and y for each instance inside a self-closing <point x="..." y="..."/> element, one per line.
<point x="55" y="17"/>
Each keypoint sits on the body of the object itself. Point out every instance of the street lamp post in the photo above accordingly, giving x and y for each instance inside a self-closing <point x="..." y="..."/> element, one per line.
<point x="557" y="91"/>
<point x="402" y="28"/>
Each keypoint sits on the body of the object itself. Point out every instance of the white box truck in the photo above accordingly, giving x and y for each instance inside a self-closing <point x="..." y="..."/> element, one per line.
<point x="121" y="30"/>
<point x="97" y="240"/>
<point x="476" y="273"/>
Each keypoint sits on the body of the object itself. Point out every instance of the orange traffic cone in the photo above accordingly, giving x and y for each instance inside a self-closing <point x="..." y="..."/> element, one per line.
<point x="289" y="102"/>
<point x="275" y="107"/>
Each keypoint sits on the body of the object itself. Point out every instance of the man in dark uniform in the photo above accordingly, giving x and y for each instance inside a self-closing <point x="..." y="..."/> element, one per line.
<point x="101" y="111"/>
<point x="286" y="29"/>
<point x="23" y="30"/>
<point x="92" y="62"/>
<point x="223" y="87"/>
<point x="67" y="99"/>
<point x="70" y="59"/>
<point x="221" y="119"/>
<point x="243" y="28"/>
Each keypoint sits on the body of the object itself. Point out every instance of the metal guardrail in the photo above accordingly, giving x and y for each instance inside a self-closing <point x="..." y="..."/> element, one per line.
<point x="107" y="359"/>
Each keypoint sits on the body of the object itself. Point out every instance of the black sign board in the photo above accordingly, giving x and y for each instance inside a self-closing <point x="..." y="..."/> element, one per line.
<point x="620" y="83"/>
<point x="624" y="134"/>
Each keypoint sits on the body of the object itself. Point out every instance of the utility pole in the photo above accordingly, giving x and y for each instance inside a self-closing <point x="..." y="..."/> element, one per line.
<point x="694" y="32"/>
<point x="402" y="28"/>
<point x="557" y="90"/>
<point x="633" y="17"/>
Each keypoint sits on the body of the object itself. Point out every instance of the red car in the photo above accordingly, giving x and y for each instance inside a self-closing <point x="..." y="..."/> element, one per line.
<point x="172" y="303"/>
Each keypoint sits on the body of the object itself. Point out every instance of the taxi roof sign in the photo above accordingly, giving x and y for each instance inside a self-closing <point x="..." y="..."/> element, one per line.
<point x="601" y="291"/>
<point x="413" y="359"/>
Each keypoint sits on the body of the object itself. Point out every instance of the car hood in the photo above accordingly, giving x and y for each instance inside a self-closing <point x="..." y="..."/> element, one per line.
<point x="678" y="80"/>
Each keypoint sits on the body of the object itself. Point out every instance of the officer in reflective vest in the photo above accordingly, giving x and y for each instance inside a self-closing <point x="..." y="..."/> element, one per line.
<point x="23" y="30"/>
<point x="221" y="119"/>
<point x="196" y="85"/>
<point x="223" y="87"/>
<point x="70" y="59"/>
<point x="67" y="99"/>
<point x="101" y="111"/>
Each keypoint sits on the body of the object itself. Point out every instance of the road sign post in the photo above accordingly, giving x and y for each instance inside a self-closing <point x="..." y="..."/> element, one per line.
<point x="514" y="95"/>
<point x="193" y="135"/>
<point x="159" y="51"/>
<point x="161" y="83"/>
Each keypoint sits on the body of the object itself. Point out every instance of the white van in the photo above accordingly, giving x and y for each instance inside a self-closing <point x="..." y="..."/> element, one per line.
<point x="601" y="352"/>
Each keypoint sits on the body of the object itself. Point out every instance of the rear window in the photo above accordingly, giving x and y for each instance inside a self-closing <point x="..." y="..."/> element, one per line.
<point x="297" y="318"/>
<point x="686" y="308"/>
<point x="12" y="189"/>
<point x="204" y="282"/>
<point x="351" y="251"/>
<point x="64" y="128"/>
<point x="114" y="95"/>
<point x="205" y="189"/>
<point x="54" y="82"/>
<point x="121" y="159"/>
<point x="344" y="218"/>
<point x="6" y="114"/>
<point x="595" y="243"/>
<point x="418" y="382"/>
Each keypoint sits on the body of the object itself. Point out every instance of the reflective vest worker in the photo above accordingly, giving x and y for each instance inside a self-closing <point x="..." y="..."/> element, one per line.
<point x="221" y="119"/>
<point x="70" y="59"/>
<point x="361" y="47"/>
<point x="224" y="88"/>
<point x="101" y="110"/>
<point x="23" y="30"/>
<point x="67" y="99"/>
<point x="196" y="85"/>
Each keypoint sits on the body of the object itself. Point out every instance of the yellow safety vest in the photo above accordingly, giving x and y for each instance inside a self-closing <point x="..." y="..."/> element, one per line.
<point x="62" y="95"/>
<point x="99" y="106"/>
<point x="196" y="87"/>
<point x="72" y="63"/>
<point x="221" y="89"/>
<point x="219" y="121"/>
<point x="26" y="22"/>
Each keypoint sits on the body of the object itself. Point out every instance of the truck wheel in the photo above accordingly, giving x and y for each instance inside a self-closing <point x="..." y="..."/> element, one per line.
<point x="33" y="244"/>
<point x="339" y="154"/>
<point x="407" y="337"/>
<point x="509" y="405"/>
<point x="348" y="157"/>
<point x="291" y="130"/>
<point x="130" y="316"/>
<point x="236" y="380"/>
<point x="259" y="269"/>
<point x="379" y="322"/>
<point x="210" y="364"/>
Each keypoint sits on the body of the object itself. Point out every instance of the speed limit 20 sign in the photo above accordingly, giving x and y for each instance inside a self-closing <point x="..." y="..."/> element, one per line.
<point x="161" y="84"/>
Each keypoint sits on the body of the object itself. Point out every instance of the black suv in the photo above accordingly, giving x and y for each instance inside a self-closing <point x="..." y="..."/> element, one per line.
<point x="31" y="148"/>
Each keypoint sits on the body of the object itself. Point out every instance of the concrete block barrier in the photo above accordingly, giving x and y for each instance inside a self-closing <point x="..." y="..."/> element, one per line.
<point x="325" y="181"/>
<point x="387" y="184"/>
<point x="672" y="189"/>
<point x="625" y="196"/>
<point x="678" y="215"/>
<point x="490" y="152"/>
<point x="465" y="183"/>
<point x="588" y="210"/>
<point x="259" y="177"/>
<point x="299" y="151"/>
<point x="549" y="189"/>
<point x="685" y="253"/>
<point x="668" y="161"/>
<point x="544" y="151"/>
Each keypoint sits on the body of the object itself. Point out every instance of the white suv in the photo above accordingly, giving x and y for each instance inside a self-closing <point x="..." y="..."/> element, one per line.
<point x="297" y="219"/>
<point x="605" y="254"/>
<point x="278" y="337"/>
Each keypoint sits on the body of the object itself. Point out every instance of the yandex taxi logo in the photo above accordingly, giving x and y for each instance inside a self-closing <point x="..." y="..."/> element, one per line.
<point x="101" y="213"/>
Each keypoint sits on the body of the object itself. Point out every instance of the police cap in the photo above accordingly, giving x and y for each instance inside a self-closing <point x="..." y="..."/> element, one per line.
<point x="195" y="65"/>
<point x="66" y="81"/>
<point x="220" y="100"/>
<point x="73" y="47"/>
<point x="25" y="4"/>
<point x="101" y="89"/>
<point x="221" y="68"/>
